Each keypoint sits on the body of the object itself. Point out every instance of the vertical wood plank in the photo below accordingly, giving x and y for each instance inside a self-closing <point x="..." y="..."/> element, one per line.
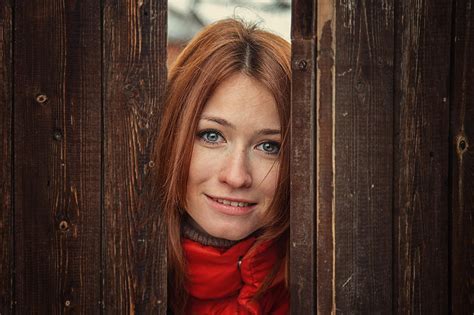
<point x="134" y="80"/>
<point x="303" y="19"/>
<point x="354" y="184"/>
<point x="361" y="113"/>
<point x="57" y="121"/>
<point x="325" y="167"/>
<point x="342" y="161"/>
<point x="421" y="221"/>
<point x="6" y="206"/>
<point x="462" y="160"/>
<point x="303" y="202"/>
<point x="302" y="159"/>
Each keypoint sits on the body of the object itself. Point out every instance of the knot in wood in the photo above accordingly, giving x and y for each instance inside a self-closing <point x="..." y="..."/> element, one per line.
<point x="462" y="144"/>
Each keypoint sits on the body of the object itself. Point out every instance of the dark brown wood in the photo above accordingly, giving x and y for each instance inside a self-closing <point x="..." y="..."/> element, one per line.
<point x="57" y="150"/>
<point x="302" y="177"/>
<point x="361" y="114"/>
<point x="421" y="220"/>
<point x="303" y="159"/>
<point x="325" y="211"/>
<point x="303" y="16"/>
<point x="324" y="159"/>
<point x="6" y="206"/>
<point x="342" y="186"/>
<point x="462" y="160"/>
<point x="134" y="80"/>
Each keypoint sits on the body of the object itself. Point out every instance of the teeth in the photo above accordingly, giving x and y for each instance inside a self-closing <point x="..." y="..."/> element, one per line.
<point x="233" y="203"/>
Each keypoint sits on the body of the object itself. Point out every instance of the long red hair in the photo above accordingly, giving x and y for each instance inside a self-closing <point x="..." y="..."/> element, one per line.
<point x="217" y="52"/>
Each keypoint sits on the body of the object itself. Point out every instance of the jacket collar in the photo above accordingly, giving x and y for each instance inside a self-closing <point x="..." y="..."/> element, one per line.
<point x="214" y="273"/>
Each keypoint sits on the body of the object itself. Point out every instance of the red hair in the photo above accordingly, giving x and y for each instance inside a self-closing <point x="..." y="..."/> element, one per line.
<point x="220" y="50"/>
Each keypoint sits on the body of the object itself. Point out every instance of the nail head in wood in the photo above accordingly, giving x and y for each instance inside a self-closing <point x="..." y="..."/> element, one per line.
<point x="41" y="98"/>
<point x="57" y="135"/>
<point x="302" y="65"/>
<point x="63" y="226"/>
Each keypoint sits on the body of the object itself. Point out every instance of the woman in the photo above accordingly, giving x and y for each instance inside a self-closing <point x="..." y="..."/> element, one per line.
<point x="224" y="172"/>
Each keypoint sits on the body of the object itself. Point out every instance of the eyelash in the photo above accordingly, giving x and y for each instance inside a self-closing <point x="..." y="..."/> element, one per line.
<point x="201" y="135"/>
<point x="274" y="143"/>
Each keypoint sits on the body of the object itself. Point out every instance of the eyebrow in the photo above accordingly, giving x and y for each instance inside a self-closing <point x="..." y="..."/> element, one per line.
<point x="225" y="123"/>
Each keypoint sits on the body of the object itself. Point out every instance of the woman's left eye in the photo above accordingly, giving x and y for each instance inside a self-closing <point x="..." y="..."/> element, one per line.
<point x="269" y="147"/>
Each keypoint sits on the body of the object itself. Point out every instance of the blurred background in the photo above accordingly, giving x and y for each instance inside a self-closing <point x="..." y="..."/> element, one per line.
<point x="187" y="17"/>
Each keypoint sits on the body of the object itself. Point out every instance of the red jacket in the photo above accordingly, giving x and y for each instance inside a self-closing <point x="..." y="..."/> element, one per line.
<point x="219" y="284"/>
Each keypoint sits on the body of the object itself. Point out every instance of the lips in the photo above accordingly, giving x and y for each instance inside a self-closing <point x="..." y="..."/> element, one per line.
<point x="233" y="203"/>
<point x="231" y="206"/>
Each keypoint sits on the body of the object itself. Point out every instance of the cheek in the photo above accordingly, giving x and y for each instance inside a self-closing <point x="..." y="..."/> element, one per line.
<point x="269" y="180"/>
<point x="201" y="167"/>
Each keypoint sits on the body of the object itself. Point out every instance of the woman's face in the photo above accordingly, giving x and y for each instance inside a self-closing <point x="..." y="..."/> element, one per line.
<point x="234" y="166"/>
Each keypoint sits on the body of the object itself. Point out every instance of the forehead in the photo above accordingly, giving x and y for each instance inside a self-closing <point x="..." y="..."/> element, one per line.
<point x="244" y="100"/>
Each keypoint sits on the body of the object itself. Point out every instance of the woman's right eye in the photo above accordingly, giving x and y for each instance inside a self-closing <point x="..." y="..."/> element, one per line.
<point x="211" y="136"/>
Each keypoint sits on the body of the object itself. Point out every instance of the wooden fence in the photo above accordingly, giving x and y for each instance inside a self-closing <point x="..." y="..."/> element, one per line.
<point x="382" y="157"/>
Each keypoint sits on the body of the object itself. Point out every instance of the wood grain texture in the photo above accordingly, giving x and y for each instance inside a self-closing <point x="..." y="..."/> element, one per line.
<point x="421" y="220"/>
<point x="362" y="114"/>
<point x="325" y="198"/>
<point x="303" y="14"/>
<point x="134" y="80"/>
<point x="302" y="177"/>
<point x="462" y="160"/>
<point x="303" y="159"/>
<point x="6" y="206"/>
<point x="57" y="151"/>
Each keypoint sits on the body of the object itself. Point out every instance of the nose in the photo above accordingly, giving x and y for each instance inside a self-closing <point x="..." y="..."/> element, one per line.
<point x="235" y="170"/>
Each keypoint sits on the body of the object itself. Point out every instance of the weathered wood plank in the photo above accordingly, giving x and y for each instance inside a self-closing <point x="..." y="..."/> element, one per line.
<point x="303" y="159"/>
<point x="302" y="177"/>
<point x="361" y="112"/>
<point x="134" y="80"/>
<point x="57" y="119"/>
<point x="462" y="160"/>
<point x="325" y="167"/>
<point x="421" y="220"/>
<point x="303" y="14"/>
<point x="6" y="206"/>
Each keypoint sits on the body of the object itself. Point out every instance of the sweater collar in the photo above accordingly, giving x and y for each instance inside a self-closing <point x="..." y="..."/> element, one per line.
<point x="192" y="231"/>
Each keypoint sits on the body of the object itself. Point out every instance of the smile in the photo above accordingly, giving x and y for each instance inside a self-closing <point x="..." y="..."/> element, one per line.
<point x="233" y="203"/>
<point x="231" y="206"/>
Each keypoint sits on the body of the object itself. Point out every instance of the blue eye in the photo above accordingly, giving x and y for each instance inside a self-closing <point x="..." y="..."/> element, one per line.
<point x="269" y="147"/>
<point x="211" y="136"/>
